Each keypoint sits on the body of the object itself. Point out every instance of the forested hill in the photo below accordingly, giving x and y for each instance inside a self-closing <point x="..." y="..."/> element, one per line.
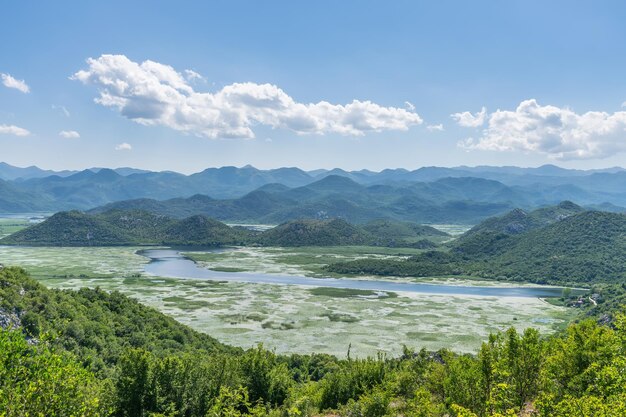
<point x="584" y="248"/>
<point x="118" y="227"/>
<point x="136" y="227"/>
<point x="485" y="237"/>
<point x="94" y="325"/>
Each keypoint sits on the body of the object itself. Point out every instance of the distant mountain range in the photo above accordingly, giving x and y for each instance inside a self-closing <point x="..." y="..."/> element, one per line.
<point x="429" y="194"/>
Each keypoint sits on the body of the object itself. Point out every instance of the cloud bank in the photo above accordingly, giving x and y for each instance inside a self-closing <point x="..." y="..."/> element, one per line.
<point x="13" y="130"/>
<point x="151" y="93"/>
<point x="557" y="132"/>
<point x="11" y="82"/>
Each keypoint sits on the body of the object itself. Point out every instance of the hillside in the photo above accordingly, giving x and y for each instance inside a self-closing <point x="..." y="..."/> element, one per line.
<point x="94" y="325"/>
<point x="334" y="232"/>
<point x="581" y="249"/>
<point x="588" y="247"/>
<point x="119" y="227"/>
<point x="492" y="234"/>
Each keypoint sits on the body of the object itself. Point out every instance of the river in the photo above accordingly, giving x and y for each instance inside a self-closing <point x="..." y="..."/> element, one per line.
<point x="170" y="263"/>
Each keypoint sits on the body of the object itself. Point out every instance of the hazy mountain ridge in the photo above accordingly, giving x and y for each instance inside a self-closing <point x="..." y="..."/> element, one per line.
<point x="513" y="186"/>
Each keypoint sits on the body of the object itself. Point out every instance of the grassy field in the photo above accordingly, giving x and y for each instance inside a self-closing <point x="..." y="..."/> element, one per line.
<point x="292" y="318"/>
<point x="9" y="226"/>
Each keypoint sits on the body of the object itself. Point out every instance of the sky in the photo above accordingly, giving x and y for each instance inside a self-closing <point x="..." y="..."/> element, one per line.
<point x="187" y="85"/>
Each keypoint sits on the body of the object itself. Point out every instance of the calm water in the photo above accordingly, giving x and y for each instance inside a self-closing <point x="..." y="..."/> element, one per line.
<point x="170" y="263"/>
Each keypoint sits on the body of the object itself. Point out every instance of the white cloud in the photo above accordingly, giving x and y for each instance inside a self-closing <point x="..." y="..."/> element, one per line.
<point x="191" y="75"/>
<point x="433" y="128"/>
<point x="409" y="105"/>
<point x="151" y="93"/>
<point x="11" y="82"/>
<point x="123" y="147"/>
<point x="69" y="134"/>
<point x="467" y="119"/>
<point x="62" y="109"/>
<point x="557" y="132"/>
<point x="624" y="104"/>
<point x="13" y="130"/>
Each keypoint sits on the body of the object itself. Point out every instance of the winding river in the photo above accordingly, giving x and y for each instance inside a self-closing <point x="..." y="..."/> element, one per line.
<point x="170" y="263"/>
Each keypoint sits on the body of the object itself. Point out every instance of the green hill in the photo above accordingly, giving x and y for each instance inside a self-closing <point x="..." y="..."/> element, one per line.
<point x="334" y="232"/>
<point x="588" y="247"/>
<point x="388" y="229"/>
<point x="203" y="231"/>
<point x="70" y="228"/>
<point x="119" y="227"/>
<point x="490" y="235"/>
<point x="584" y="248"/>
<point x="93" y="324"/>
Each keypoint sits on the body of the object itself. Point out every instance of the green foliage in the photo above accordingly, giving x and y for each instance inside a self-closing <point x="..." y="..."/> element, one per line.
<point x="36" y="380"/>
<point x="95" y="325"/>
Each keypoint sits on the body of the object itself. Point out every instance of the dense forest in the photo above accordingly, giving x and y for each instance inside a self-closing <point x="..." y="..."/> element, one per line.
<point x="91" y="353"/>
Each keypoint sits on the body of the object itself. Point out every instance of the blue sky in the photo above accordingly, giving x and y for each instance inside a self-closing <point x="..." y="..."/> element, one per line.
<point x="550" y="76"/>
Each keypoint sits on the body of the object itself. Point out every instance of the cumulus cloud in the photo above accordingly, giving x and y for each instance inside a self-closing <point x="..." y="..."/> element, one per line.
<point x="467" y="119"/>
<point x="13" y="130"/>
<point x="11" y="82"/>
<point x="69" y="134"/>
<point x="433" y="128"/>
<point x="557" y="132"/>
<point x="123" y="147"/>
<point x="151" y="93"/>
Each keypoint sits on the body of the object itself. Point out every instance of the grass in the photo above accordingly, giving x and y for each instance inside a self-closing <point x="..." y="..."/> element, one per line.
<point x="9" y="226"/>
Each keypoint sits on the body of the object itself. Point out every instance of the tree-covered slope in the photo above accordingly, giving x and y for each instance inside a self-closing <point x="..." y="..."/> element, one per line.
<point x="334" y="232"/>
<point x="587" y="247"/>
<point x="584" y="248"/>
<point x="93" y="324"/>
<point x="204" y="231"/>
<point x="119" y="227"/>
